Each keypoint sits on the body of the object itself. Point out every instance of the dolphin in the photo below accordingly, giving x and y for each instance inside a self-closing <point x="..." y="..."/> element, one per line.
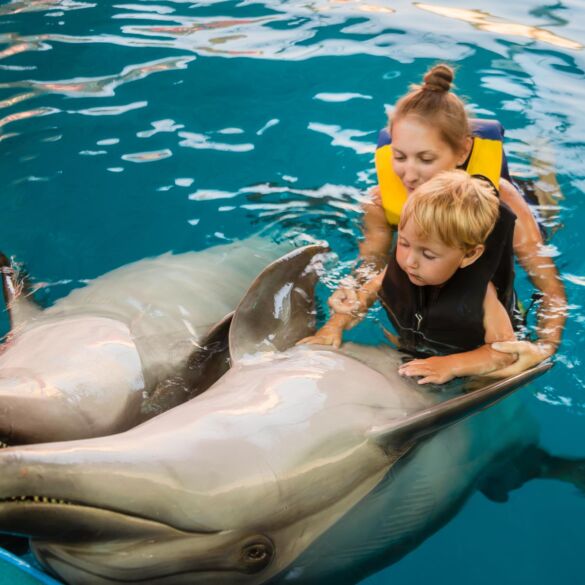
<point x="299" y="465"/>
<point x="115" y="352"/>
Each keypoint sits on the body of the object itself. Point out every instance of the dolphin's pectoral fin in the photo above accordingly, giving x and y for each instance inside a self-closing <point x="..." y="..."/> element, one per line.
<point x="434" y="418"/>
<point x="278" y="309"/>
<point x="532" y="463"/>
<point x="204" y="367"/>
<point x="17" y="295"/>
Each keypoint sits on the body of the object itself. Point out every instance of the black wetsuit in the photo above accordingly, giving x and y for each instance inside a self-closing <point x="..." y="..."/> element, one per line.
<point x="449" y="319"/>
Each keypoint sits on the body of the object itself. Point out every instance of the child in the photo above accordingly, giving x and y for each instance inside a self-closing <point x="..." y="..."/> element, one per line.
<point x="434" y="289"/>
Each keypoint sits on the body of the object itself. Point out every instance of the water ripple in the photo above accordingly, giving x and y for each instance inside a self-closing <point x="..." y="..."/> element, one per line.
<point x="104" y="86"/>
<point x="341" y="97"/>
<point x="201" y="141"/>
<point x="150" y="156"/>
<point x="19" y="6"/>
<point x="110" y="110"/>
<point x="25" y="115"/>
<point x="344" y="137"/>
<point x="486" y="22"/>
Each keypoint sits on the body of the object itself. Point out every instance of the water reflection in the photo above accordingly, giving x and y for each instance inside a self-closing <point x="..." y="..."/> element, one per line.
<point x="25" y="115"/>
<point x="18" y="6"/>
<point x="486" y="22"/>
<point x="104" y="86"/>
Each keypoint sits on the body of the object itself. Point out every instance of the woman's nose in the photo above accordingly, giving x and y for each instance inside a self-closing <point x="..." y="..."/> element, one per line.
<point x="410" y="172"/>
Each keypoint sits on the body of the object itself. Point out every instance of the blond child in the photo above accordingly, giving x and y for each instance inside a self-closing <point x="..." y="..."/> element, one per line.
<point x="436" y="290"/>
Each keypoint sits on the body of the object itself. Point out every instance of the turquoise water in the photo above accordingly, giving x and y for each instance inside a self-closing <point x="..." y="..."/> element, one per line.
<point x="131" y="129"/>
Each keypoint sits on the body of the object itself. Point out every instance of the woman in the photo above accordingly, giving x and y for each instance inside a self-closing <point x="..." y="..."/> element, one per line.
<point x="429" y="132"/>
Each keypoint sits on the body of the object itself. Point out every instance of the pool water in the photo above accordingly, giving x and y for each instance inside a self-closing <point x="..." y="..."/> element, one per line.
<point x="130" y="129"/>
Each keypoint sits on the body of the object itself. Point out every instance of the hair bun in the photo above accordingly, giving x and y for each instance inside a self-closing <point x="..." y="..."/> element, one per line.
<point x="439" y="78"/>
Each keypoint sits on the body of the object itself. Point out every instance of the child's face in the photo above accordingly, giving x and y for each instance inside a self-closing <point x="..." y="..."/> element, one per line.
<point x="426" y="261"/>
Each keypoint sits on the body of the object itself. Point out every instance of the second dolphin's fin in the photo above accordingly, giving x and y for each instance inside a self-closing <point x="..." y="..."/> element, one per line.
<point x="21" y="308"/>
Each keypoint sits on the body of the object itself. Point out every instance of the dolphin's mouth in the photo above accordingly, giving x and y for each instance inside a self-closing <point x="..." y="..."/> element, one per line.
<point x="85" y="544"/>
<point x="36" y="500"/>
<point x="55" y="519"/>
<point x="49" y="519"/>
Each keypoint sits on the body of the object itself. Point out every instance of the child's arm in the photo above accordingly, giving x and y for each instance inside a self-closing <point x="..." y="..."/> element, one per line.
<point x="347" y="314"/>
<point x="480" y="361"/>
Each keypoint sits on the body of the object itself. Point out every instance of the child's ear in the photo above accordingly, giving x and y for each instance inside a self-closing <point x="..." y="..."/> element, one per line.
<point x="472" y="255"/>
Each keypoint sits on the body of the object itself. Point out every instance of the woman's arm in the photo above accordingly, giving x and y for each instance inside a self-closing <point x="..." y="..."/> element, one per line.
<point x="529" y="249"/>
<point x="349" y="315"/>
<point x="350" y="303"/>
<point x="378" y="234"/>
<point x="373" y="253"/>
<point x="481" y="361"/>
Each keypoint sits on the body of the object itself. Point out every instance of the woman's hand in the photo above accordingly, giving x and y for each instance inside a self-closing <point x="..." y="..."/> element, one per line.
<point x="529" y="354"/>
<point x="436" y="370"/>
<point x="327" y="335"/>
<point x="345" y="301"/>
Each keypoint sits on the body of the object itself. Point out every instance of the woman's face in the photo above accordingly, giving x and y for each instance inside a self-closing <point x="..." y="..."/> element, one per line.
<point x="419" y="152"/>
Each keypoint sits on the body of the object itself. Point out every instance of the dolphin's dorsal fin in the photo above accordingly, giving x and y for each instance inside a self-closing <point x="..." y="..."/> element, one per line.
<point x="17" y="296"/>
<point x="206" y="364"/>
<point x="278" y="308"/>
<point x="211" y="359"/>
<point x="438" y="416"/>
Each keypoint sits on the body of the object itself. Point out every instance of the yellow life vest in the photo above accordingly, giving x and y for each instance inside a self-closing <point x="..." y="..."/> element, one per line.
<point x="486" y="157"/>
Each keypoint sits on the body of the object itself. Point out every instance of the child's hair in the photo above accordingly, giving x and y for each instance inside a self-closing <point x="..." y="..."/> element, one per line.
<point x="458" y="209"/>
<point x="434" y="103"/>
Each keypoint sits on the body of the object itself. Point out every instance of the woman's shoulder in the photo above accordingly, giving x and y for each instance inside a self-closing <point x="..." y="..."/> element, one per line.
<point x="375" y="196"/>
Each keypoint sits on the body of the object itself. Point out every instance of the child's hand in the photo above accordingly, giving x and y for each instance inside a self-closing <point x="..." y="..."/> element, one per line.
<point x="327" y="335"/>
<point x="436" y="370"/>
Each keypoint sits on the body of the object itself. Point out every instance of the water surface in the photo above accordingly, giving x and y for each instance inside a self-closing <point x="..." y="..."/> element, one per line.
<point x="131" y="129"/>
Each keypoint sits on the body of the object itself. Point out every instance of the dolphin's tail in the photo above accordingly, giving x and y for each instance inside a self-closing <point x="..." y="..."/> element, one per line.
<point x="568" y="469"/>
<point x="533" y="463"/>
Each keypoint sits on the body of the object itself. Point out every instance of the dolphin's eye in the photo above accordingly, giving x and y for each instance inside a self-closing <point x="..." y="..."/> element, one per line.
<point x="257" y="554"/>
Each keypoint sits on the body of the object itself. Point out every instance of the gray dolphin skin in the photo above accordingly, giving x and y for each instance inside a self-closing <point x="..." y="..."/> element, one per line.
<point x="300" y="465"/>
<point x="110" y="354"/>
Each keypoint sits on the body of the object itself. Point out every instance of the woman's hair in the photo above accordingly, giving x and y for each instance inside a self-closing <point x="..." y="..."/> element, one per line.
<point x="436" y="105"/>
<point x="454" y="207"/>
